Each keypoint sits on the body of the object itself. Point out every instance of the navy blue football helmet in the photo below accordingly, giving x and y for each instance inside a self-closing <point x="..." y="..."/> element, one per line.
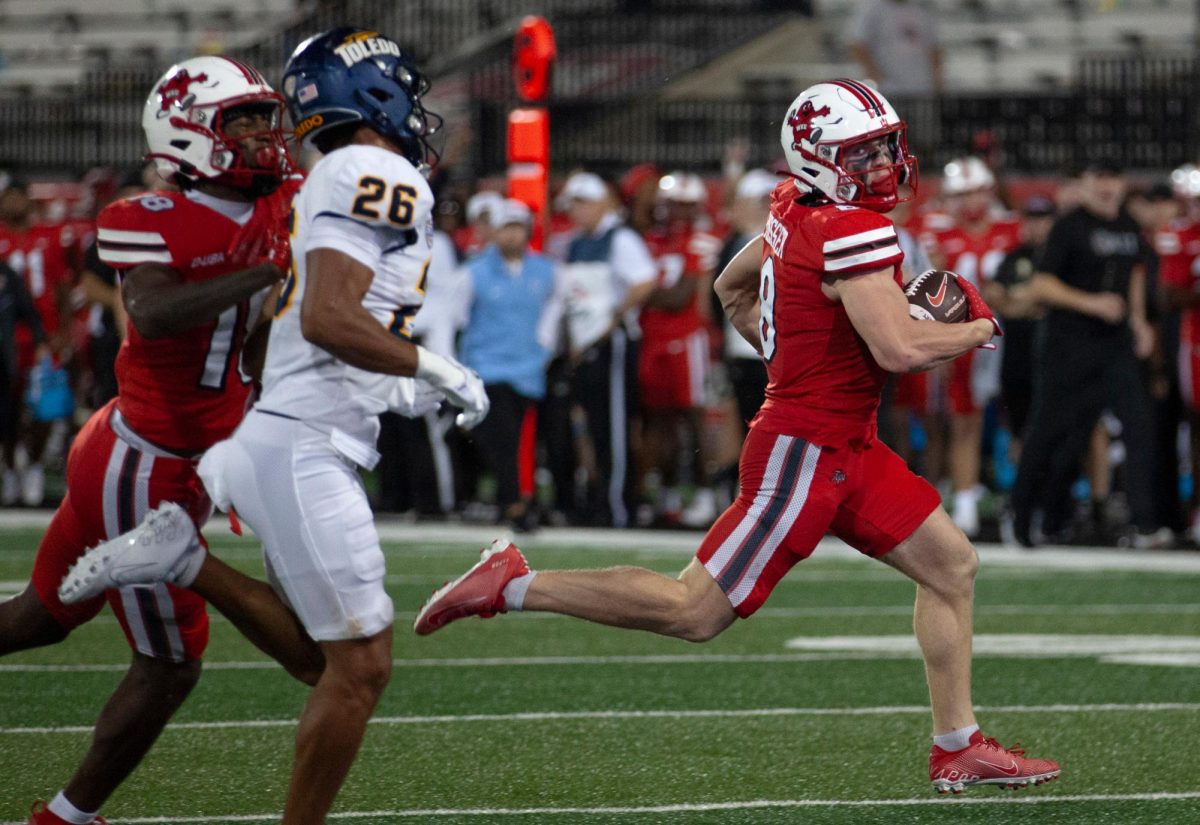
<point x="349" y="75"/>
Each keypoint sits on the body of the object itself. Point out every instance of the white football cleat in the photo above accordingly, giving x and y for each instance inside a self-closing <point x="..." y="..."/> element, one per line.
<point x="164" y="547"/>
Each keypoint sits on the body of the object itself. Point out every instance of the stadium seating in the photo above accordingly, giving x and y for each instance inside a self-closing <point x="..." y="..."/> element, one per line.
<point x="1020" y="45"/>
<point x="53" y="43"/>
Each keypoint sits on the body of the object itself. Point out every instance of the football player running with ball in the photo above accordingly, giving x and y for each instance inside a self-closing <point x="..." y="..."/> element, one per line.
<point x="338" y="356"/>
<point x="819" y="295"/>
<point x="197" y="267"/>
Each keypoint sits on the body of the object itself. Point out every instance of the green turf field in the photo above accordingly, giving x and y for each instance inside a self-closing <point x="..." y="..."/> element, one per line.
<point x="529" y="718"/>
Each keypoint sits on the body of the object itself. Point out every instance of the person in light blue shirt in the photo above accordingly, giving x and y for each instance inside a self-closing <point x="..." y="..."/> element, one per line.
<point x="512" y="305"/>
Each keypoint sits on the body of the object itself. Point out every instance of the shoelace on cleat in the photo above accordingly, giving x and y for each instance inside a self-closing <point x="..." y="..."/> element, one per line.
<point x="1015" y="750"/>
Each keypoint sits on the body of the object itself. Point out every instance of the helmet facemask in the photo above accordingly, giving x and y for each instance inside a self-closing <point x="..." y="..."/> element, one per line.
<point x="412" y="130"/>
<point x="863" y="180"/>
<point x="260" y="174"/>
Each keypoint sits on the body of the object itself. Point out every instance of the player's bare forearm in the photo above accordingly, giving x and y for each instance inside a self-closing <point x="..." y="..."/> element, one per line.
<point x="675" y="297"/>
<point x="746" y="319"/>
<point x="899" y="343"/>
<point x="361" y="341"/>
<point x="737" y="289"/>
<point x="635" y="298"/>
<point x="159" y="303"/>
<point x="737" y="285"/>
<point x="1051" y="291"/>
<point x="333" y="317"/>
<point x="937" y="343"/>
<point x="254" y="351"/>
<point x="1137" y="295"/>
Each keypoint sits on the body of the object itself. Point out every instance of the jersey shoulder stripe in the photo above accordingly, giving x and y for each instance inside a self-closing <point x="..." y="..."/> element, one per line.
<point x="889" y="253"/>
<point x="854" y="239"/>
<point x="127" y="236"/>
<point x="838" y="245"/>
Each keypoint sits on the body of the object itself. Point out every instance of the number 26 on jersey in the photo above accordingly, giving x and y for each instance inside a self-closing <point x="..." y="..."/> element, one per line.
<point x="375" y="195"/>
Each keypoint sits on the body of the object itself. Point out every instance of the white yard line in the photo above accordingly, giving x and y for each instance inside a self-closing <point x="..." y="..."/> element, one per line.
<point x="836" y="611"/>
<point x="559" y="716"/>
<point x="686" y="807"/>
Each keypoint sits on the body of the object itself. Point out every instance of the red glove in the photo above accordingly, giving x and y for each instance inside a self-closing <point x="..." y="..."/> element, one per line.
<point x="977" y="308"/>
<point x="266" y="237"/>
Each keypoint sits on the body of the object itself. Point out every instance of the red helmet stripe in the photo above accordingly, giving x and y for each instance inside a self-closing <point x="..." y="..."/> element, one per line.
<point x="250" y="74"/>
<point x="865" y="96"/>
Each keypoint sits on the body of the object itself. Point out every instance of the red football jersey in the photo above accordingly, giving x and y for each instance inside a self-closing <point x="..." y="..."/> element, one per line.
<point x="183" y="392"/>
<point x="824" y="385"/>
<point x="43" y="256"/>
<point x="680" y="252"/>
<point x="976" y="256"/>
<point x="1178" y="248"/>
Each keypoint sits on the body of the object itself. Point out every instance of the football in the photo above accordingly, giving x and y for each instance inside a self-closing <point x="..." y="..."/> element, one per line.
<point x="935" y="295"/>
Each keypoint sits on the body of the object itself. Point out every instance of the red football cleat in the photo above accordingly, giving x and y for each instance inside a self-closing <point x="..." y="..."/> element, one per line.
<point x="39" y="814"/>
<point x="478" y="592"/>
<point x="986" y="762"/>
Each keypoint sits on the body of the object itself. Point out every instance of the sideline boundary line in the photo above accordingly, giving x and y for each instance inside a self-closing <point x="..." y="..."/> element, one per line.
<point x="686" y="541"/>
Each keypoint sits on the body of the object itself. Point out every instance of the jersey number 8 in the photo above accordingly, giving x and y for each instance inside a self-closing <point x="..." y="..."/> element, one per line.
<point x="766" y="308"/>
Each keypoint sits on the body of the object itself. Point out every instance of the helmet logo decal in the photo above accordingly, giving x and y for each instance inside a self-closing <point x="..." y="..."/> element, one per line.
<point x="801" y="123"/>
<point x="177" y="90"/>
<point x="308" y="124"/>
<point x="363" y="45"/>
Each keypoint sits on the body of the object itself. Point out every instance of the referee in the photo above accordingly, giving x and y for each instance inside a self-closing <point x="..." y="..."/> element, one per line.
<point x="1092" y="280"/>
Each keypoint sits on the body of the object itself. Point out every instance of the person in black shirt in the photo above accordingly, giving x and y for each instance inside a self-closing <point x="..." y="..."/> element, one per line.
<point x="1010" y="293"/>
<point x="1091" y="279"/>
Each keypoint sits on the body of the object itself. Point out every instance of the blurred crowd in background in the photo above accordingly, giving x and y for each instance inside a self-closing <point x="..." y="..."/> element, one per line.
<point x="619" y="395"/>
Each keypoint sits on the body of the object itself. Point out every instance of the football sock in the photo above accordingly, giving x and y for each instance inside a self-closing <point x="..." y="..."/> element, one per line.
<point x="955" y="740"/>
<point x="515" y="590"/>
<point x="61" y="807"/>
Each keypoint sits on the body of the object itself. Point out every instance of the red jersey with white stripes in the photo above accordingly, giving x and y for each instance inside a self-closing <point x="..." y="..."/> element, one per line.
<point x="186" y="391"/>
<point x="824" y="385"/>
<point x="1178" y="248"/>
<point x="679" y="252"/>
<point x="975" y="256"/>
<point x="42" y="255"/>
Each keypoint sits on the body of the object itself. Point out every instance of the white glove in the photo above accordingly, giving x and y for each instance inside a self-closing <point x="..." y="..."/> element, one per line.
<point x="413" y="397"/>
<point x="462" y="386"/>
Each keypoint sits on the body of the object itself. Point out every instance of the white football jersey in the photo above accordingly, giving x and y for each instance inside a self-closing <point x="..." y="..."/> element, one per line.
<point x="372" y="205"/>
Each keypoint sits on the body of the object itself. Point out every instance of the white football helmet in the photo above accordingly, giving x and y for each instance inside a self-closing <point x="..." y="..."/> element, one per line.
<point x="682" y="187"/>
<point x="1185" y="181"/>
<point x="966" y="174"/>
<point x="823" y="125"/>
<point x="184" y="119"/>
